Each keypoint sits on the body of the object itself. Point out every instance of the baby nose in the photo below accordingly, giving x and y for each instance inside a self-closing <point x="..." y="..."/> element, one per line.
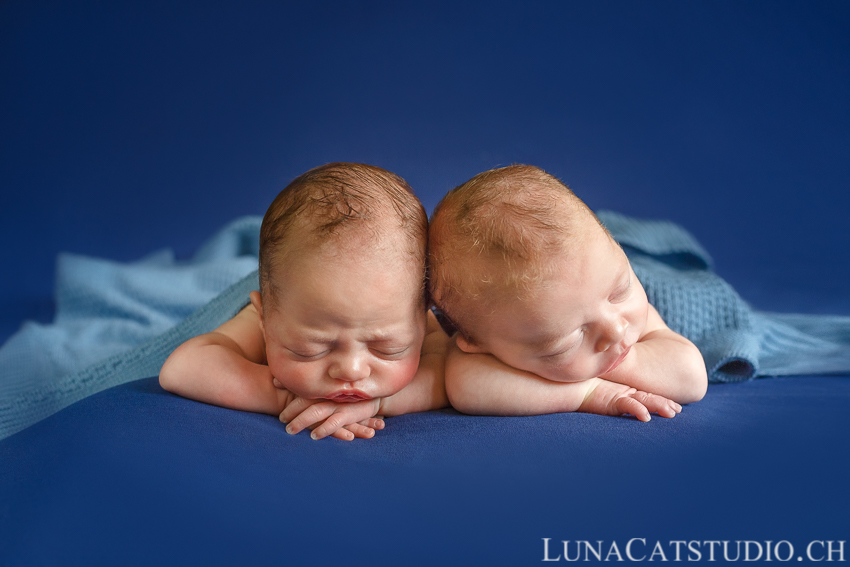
<point x="349" y="368"/>
<point x="613" y="331"/>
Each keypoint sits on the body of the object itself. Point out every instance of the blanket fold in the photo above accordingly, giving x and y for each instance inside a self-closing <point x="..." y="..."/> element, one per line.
<point x="737" y="342"/>
<point x="119" y="322"/>
<point x="115" y="322"/>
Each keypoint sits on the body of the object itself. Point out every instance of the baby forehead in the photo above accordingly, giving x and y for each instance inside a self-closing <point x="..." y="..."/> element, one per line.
<point x="531" y="298"/>
<point x="392" y="334"/>
<point x="589" y="261"/>
<point x="365" y="276"/>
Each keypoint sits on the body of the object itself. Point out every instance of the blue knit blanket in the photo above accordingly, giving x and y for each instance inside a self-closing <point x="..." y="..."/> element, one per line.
<point x="737" y="342"/>
<point x="119" y="322"/>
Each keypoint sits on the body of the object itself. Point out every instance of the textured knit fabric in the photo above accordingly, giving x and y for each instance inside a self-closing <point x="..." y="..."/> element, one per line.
<point x="115" y="323"/>
<point x="737" y="342"/>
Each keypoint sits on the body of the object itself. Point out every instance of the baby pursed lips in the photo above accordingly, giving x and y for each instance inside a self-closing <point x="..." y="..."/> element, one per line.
<point x="348" y="396"/>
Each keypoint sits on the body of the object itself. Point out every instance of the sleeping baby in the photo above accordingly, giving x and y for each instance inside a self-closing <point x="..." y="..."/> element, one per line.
<point x="549" y="314"/>
<point x="339" y="332"/>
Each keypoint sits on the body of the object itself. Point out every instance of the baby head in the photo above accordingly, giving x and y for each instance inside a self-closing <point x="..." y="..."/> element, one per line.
<point x="342" y="283"/>
<point x="525" y="271"/>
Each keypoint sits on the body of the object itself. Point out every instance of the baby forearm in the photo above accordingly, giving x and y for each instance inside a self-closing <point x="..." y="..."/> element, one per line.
<point x="205" y="371"/>
<point x="665" y="364"/>
<point x="480" y="384"/>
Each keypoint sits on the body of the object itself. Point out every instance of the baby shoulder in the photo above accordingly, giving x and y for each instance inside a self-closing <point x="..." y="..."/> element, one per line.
<point x="245" y="331"/>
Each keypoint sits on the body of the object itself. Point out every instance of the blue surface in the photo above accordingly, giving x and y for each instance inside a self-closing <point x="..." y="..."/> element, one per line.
<point x="137" y="476"/>
<point x="127" y="127"/>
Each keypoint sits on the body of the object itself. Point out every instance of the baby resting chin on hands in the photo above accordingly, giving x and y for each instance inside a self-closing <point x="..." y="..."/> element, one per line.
<point x="337" y="332"/>
<point x="426" y="390"/>
<point x="550" y="316"/>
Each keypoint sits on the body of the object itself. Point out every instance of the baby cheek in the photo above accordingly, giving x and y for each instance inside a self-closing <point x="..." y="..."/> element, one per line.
<point x="293" y="377"/>
<point x="401" y="374"/>
<point x="644" y="316"/>
<point x="578" y="370"/>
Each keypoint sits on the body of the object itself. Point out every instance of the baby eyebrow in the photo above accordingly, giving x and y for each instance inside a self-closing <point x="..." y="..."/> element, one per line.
<point x="386" y="341"/>
<point x="622" y="274"/>
<point x="375" y="340"/>
<point x="400" y="339"/>
<point x="315" y="339"/>
<point x="304" y="341"/>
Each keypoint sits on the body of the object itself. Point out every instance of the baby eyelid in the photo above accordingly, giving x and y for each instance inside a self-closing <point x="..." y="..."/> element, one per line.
<point x="302" y="355"/>
<point x="624" y="291"/>
<point x="569" y="348"/>
<point x="391" y="352"/>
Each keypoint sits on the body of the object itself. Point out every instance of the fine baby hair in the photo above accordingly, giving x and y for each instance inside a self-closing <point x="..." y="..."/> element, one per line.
<point x="349" y="204"/>
<point x="504" y="225"/>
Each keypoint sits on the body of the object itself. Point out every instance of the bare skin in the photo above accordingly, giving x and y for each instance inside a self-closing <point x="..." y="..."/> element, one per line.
<point x="586" y="339"/>
<point x="425" y="392"/>
<point x="343" y="330"/>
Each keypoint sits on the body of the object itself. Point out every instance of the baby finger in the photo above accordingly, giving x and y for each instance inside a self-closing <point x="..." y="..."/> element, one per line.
<point x="342" y="434"/>
<point x="361" y="431"/>
<point x="630" y="405"/>
<point x="660" y="405"/>
<point x="310" y="416"/>
<point x="294" y="409"/>
<point x="373" y="423"/>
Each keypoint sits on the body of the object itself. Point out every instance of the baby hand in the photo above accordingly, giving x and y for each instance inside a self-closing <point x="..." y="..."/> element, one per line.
<point x="609" y="398"/>
<point x="341" y="420"/>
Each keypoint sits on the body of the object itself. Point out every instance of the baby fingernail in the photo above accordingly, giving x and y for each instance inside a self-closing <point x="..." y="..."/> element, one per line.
<point x="289" y="430"/>
<point x="313" y="436"/>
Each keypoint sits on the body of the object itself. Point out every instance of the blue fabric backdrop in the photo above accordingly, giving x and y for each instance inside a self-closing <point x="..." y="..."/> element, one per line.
<point x="128" y="127"/>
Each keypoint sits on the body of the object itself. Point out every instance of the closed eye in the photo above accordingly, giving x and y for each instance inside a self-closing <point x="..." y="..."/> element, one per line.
<point x="622" y="293"/>
<point x="565" y="351"/>
<point x="390" y="353"/>
<point x="310" y="356"/>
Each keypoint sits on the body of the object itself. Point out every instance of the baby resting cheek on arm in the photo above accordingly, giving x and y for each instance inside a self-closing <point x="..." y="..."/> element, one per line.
<point x="550" y="316"/>
<point x="337" y="332"/>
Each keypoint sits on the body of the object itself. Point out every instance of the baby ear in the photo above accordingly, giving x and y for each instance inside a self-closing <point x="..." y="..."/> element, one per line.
<point x="257" y="302"/>
<point x="467" y="346"/>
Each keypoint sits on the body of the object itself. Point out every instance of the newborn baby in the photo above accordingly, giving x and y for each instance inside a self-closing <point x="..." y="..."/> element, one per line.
<point x="337" y="333"/>
<point x="549" y="315"/>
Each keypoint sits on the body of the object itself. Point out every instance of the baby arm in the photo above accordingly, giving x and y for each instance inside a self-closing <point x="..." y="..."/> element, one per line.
<point x="663" y="362"/>
<point x="480" y="384"/>
<point x="226" y="368"/>
<point x="425" y="392"/>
